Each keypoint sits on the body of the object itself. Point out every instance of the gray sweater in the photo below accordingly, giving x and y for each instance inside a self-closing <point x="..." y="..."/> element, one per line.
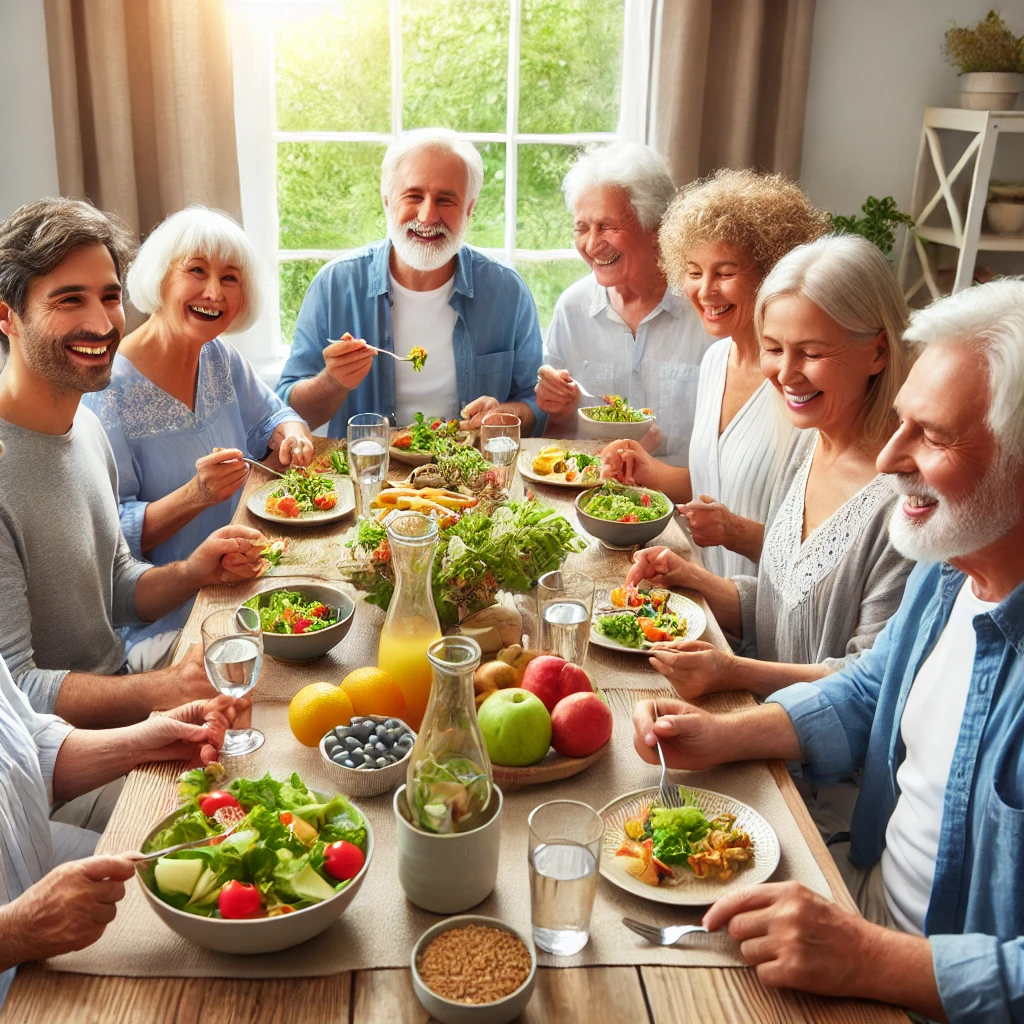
<point x="824" y="599"/>
<point x="66" y="573"/>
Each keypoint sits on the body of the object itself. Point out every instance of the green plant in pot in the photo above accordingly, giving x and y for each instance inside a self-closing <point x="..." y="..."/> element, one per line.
<point x="880" y="221"/>
<point x="989" y="58"/>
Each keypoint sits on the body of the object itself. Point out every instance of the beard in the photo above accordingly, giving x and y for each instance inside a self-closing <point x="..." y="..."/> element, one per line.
<point x="47" y="357"/>
<point x="956" y="528"/>
<point x="420" y="255"/>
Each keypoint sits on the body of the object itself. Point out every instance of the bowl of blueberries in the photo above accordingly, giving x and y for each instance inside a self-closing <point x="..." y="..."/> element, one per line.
<point x="370" y="755"/>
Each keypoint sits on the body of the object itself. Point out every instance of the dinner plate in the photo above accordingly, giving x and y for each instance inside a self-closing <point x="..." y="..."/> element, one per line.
<point x="691" y="891"/>
<point x="257" y="504"/>
<point x="409" y="458"/>
<point x="696" y="622"/>
<point x="552" y="479"/>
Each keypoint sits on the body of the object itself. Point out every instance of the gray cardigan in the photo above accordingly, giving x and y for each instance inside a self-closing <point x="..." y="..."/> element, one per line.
<point x="825" y="599"/>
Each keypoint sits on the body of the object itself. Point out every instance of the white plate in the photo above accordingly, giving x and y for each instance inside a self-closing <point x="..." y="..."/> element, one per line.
<point x="696" y="622"/>
<point x="552" y="479"/>
<point x="408" y="458"/>
<point x="257" y="504"/>
<point x="691" y="891"/>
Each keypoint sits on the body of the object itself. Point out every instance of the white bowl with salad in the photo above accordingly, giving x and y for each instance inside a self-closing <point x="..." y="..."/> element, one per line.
<point x="291" y="868"/>
<point x="623" y="516"/>
<point x="613" y="420"/>
<point x="302" y="623"/>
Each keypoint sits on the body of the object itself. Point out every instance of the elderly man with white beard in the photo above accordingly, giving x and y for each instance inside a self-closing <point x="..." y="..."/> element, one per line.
<point x="421" y="286"/>
<point x="933" y="714"/>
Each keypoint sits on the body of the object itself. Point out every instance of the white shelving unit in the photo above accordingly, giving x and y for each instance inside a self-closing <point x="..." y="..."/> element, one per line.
<point x="982" y="128"/>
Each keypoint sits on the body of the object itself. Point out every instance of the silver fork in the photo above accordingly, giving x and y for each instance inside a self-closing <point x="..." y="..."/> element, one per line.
<point x="380" y="351"/>
<point x="191" y="844"/>
<point x="666" y="797"/>
<point x="662" y="936"/>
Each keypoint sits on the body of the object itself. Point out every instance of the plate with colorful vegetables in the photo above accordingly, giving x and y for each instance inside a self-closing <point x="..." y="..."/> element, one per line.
<point x="633" y="619"/>
<point x="417" y="444"/>
<point x="303" y="498"/>
<point x="559" y="466"/>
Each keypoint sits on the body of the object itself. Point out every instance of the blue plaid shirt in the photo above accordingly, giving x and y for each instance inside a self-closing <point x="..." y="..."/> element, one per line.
<point x="851" y="720"/>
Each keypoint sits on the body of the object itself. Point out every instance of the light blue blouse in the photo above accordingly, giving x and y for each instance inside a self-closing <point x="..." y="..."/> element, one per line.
<point x="157" y="440"/>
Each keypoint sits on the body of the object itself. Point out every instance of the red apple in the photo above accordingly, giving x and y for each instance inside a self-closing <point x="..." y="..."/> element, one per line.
<point x="551" y="678"/>
<point x="581" y="724"/>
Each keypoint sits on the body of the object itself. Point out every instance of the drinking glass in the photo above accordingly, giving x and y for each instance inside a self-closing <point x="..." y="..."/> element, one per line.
<point x="369" y="436"/>
<point x="499" y="444"/>
<point x="233" y="654"/>
<point x="565" y="603"/>
<point x="565" y="845"/>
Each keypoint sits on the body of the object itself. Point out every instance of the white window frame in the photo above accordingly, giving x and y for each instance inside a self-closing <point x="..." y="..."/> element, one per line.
<point x="258" y="139"/>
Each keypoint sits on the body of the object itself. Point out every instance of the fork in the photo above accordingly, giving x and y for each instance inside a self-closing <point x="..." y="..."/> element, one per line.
<point x="191" y="844"/>
<point x="381" y="351"/>
<point x="266" y="469"/>
<point x="662" y="936"/>
<point x="666" y="797"/>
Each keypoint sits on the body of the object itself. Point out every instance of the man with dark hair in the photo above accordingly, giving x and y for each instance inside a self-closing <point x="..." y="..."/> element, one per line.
<point x="66" y="573"/>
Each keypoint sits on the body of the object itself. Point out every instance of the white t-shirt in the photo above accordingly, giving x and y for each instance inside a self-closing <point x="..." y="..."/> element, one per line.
<point x="930" y="728"/>
<point x="425" y="319"/>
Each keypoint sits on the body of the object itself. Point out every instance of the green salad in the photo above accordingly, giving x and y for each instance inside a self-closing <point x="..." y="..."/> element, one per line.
<point x="425" y="433"/>
<point x="302" y="491"/>
<point x="623" y="628"/>
<point x="623" y="505"/>
<point x="616" y="411"/>
<point x="293" y="847"/>
<point x="287" y="611"/>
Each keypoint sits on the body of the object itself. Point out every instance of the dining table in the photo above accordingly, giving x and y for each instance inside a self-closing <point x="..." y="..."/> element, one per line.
<point x="635" y="993"/>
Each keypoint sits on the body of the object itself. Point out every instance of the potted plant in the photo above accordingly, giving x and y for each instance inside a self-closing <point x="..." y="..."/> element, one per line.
<point x="990" y="61"/>
<point x="881" y="221"/>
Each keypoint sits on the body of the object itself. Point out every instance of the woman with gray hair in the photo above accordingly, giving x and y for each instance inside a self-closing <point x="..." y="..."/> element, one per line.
<point x="620" y="330"/>
<point x="184" y="406"/>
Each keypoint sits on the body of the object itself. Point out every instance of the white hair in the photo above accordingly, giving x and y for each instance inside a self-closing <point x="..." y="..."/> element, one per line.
<point x="445" y="141"/>
<point x="990" y="316"/>
<point x="196" y="231"/>
<point x="638" y="170"/>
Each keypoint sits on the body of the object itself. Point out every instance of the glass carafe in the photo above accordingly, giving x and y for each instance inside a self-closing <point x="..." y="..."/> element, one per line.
<point x="449" y="779"/>
<point x="411" y="625"/>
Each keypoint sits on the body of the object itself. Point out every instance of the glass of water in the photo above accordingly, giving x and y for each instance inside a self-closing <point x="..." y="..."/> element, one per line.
<point x="565" y="602"/>
<point x="233" y="653"/>
<point x="565" y="845"/>
<point x="369" y="437"/>
<point x="499" y="444"/>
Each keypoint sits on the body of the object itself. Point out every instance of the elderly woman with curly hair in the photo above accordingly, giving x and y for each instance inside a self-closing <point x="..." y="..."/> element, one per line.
<point x="718" y="240"/>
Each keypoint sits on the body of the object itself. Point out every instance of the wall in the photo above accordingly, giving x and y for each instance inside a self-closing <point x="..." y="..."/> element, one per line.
<point x="28" y="167"/>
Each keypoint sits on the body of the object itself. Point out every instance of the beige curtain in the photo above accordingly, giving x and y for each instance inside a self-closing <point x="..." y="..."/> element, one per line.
<point x="729" y="84"/>
<point x="143" y="105"/>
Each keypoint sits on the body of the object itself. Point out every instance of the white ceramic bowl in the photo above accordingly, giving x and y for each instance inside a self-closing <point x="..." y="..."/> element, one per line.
<point x="602" y="430"/>
<point x="448" y="1011"/>
<point x="367" y="781"/>
<point x="1005" y="218"/>
<point x="261" y="935"/>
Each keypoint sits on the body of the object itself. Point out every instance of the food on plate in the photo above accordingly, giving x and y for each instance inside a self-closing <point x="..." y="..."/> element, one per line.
<point x="333" y="461"/>
<point x="516" y="727"/>
<point x="316" y="709"/>
<point x="302" y="492"/>
<point x="365" y="744"/>
<point x="374" y="692"/>
<point x="463" y="466"/>
<point x="639" y="618"/>
<point x="415" y="498"/>
<point x="273" y="553"/>
<point x="581" y="725"/>
<point x="288" y="612"/>
<point x="276" y="862"/>
<point x="424" y="434"/>
<point x="568" y="466"/>
<point x="474" y="964"/>
<point x="551" y="678"/>
<point x="620" y="504"/>
<point x="417" y="356"/>
<point x="615" y="411"/>
<point x="447" y="790"/>
<point x="669" y="844"/>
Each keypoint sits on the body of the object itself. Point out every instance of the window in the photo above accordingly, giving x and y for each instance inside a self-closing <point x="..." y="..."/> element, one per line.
<point x="322" y="88"/>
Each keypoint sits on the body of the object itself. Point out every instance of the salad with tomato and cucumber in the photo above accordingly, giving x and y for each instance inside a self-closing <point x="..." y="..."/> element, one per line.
<point x="292" y="848"/>
<point x="288" y="612"/>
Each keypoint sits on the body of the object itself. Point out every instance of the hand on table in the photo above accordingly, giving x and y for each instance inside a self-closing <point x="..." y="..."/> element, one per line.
<point x="473" y="415"/>
<point x="689" y="736"/>
<point x="557" y="393"/>
<point x="663" y="567"/>
<point x="192" y="732"/>
<point x="218" y="476"/>
<point x="348" y="361"/>
<point x="710" y="521"/>
<point x="629" y="462"/>
<point x="293" y="444"/>
<point x="229" y="555"/>
<point x="693" y="667"/>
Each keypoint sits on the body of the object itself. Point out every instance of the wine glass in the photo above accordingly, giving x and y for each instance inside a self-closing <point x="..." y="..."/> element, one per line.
<point x="233" y="654"/>
<point x="499" y="445"/>
<point x="369" y="436"/>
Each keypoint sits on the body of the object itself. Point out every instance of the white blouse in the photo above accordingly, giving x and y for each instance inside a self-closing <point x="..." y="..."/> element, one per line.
<point x="738" y="467"/>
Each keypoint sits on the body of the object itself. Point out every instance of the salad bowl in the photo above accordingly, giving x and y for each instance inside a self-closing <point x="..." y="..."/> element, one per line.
<point x="610" y="430"/>
<point x="299" y="648"/>
<point x="623" y="534"/>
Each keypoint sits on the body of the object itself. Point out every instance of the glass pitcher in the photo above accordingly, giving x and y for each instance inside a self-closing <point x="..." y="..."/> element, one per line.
<point x="449" y="781"/>
<point x="411" y="625"/>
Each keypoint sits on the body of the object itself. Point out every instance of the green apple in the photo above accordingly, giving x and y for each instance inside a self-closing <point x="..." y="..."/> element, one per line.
<point x="516" y="727"/>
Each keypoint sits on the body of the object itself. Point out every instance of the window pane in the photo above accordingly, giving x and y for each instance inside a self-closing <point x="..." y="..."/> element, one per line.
<point x="455" y="64"/>
<point x="548" y="280"/>
<point x="570" y="66"/>
<point x="487" y="226"/>
<point x="332" y="72"/>
<point x="328" y="194"/>
<point x="542" y="219"/>
<point x="294" y="278"/>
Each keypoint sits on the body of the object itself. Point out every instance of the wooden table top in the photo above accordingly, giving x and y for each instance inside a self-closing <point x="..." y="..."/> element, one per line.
<point x="660" y="995"/>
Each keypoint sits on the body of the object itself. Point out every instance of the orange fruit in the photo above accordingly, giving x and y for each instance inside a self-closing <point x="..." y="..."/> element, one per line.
<point x="316" y="709"/>
<point x="374" y="692"/>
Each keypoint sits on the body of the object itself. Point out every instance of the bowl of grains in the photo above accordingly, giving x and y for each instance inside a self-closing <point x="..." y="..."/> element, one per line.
<point x="473" y="970"/>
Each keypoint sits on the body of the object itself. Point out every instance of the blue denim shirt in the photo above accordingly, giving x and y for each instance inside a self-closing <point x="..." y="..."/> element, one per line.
<point x="496" y="338"/>
<point x="851" y="720"/>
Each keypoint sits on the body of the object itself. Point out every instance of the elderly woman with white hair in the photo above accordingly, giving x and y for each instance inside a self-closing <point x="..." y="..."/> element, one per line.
<point x="620" y="330"/>
<point x="183" y="406"/>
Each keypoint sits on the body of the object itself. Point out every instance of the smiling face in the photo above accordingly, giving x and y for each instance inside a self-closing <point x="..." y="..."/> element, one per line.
<point x="722" y="282"/>
<point x="821" y="371"/>
<point x="609" y="237"/>
<point x="200" y="298"/>
<point x="958" y="493"/>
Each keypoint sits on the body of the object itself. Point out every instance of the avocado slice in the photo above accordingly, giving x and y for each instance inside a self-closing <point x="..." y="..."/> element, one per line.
<point x="177" y="876"/>
<point x="308" y="885"/>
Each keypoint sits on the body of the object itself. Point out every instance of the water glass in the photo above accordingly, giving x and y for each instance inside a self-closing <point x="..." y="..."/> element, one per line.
<point x="233" y="654"/>
<point x="565" y="603"/>
<point x="369" y="437"/>
<point x="565" y="846"/>
<point x="499" y="444"/>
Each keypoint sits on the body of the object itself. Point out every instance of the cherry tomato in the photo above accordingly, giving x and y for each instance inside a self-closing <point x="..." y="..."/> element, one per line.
<point x="631" y="517"/>
<point x="288" y="506"/>
<point x="645" y="500"/>
<point x="211" y="802"/>
<point x="301" y="625"/>
<point x="286" y="817"/>
<point x="343" y="860"/>
<point x="319" y="611"/>
<point x="435" y="424"/>
<point x="238" y="900"/>
<point x="326" y="501"/>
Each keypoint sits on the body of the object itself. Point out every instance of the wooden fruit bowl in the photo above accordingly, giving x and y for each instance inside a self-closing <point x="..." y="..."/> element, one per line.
<point x="553" y="768"/>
